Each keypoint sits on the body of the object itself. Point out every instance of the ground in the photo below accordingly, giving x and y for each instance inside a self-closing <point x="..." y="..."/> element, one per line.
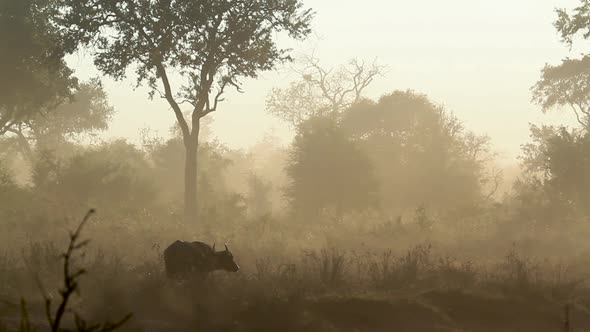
<point x="435" y="310"/>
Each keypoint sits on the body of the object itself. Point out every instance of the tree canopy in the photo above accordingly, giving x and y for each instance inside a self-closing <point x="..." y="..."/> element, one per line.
<point x="85" y="113"/>
<point x="210" y="44"/>
<point x="421" y="152"/>
<point x="35" y="78"/>
<point x="566" y="85"/>
<point x="328" y="171"/>
<point x="555" y="186"/>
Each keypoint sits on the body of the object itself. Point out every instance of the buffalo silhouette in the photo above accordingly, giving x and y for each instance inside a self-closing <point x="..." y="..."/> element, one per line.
<point x="196" y="259"/>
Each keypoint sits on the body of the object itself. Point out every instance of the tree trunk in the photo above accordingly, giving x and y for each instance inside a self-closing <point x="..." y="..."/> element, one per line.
<point x="191" y="207"/>
<point x="24" y="144"/>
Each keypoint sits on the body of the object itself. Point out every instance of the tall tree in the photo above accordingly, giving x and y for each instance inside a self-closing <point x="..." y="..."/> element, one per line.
<point x="328" y="171"/>
<point x="421" y="152"/>
<point x="569" y="24"/>
<point x="113" y="177"/>
<point x="212" y="44"/>
<point x="87" y="112"/>
<point x="35" y="78"/>
<point x="556" y="182"/>
<point x="321" y="91"/>
<point x="566" y="85"/>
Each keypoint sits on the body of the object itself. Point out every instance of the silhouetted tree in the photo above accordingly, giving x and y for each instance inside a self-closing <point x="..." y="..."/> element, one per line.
<point x="566" y="85"/>
<point x="11" y="196"/>
<point x="210" y="43"/>
<point x="321" y="91"/>
<point x="166" y="158"/>
<point x="556" y="183"/>
<point x="569" y="24"/>
<point x="421" y="152"/>
<point x="258" y="197"/>
<point x="35" y="78"/>
<point x="114" y="175"/>
<point x="81" y="116"/>
<point x="328" y="171"/>
<point x="557" y="170"/>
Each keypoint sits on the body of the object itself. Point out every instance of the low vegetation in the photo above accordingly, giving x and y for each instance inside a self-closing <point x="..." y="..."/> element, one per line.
<point x="382" y="214"/>
<point x="288" y="286"/>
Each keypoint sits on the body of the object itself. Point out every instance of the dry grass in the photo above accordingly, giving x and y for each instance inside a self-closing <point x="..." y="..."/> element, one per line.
<point x="320" y="290"/>
<point x="295" y="280"/>
<point x="43" y="256"/>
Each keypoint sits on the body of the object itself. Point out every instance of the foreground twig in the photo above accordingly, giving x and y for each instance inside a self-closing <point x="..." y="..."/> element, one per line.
<point x="70" y="286"/>
<point x="566" y="321"/>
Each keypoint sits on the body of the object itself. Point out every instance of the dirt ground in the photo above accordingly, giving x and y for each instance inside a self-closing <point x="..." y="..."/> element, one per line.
<point x="428" y="311"/>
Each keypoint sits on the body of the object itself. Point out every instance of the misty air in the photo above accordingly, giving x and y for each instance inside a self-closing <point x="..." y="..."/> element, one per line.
<point x="294" y="165"/>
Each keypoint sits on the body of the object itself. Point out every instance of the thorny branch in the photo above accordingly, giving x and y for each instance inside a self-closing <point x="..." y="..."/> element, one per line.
<point x="71" y="285"/>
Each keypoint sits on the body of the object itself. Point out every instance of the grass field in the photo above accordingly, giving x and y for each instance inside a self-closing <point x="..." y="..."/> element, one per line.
<point x="327" y="289"/>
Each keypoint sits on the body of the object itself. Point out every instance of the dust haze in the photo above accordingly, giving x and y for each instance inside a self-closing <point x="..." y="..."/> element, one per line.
<point x="187" y="165"/>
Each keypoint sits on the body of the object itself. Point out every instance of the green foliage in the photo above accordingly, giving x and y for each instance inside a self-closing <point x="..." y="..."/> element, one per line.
<point x="114" y="175"/>
<point x="421" y="152"/>
<point x="570" y="24"/>
<point x="556" y="186"/>
<point x="202" y="39"/>
<point x="81" y="116"/>
<point x="34" y="76"/>
<point x="566" y="85"/>
<point x="401" y="151"/>
<point x="88" y="112"/>
<point x="40" y="100"/>
<point x="211" y="44"/>
<point x="328" y="171"/>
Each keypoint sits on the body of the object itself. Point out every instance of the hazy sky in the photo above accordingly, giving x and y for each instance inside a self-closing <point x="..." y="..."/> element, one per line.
<point x="478" y="58"/>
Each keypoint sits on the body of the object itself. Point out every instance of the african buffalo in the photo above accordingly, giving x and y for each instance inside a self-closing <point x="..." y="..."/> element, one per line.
<point x="183" y="259"/>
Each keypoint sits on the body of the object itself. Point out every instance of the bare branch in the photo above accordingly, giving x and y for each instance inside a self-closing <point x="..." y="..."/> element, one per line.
<point x="217" y="99"/>
<point x="578" y="116"/>
<point x="6" y="127"/>
<point x="70" y="286"/>
<point x="336" y="89"/>
<point x="497" y="180"/>
<point x="187" y="101"/>
<point x="22" y="141"/>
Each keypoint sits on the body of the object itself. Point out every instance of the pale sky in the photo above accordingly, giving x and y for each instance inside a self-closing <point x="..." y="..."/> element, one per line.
<point x="478" y="58"/>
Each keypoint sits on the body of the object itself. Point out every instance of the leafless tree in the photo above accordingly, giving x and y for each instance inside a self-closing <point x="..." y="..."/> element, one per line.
<point x="322" y="91"/>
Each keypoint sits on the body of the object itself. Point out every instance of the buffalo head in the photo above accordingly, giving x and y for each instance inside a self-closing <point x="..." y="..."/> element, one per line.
<point x="225" y="260"/>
